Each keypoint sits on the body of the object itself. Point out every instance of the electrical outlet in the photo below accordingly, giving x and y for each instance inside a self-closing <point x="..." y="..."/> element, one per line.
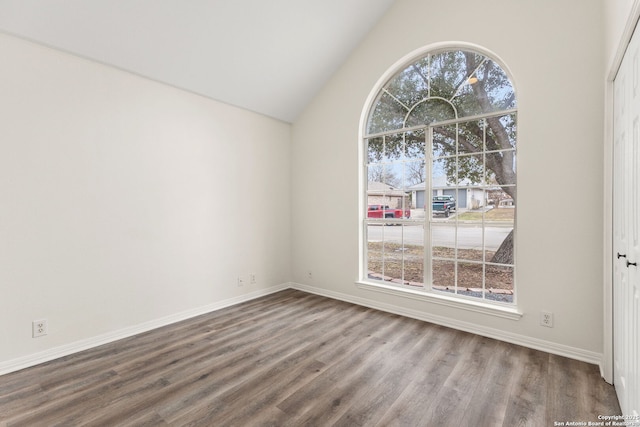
<point x="309" y="275"/>
<point x="241" y="281"/>
<point x="39" y="328"/>
<point x="252" y="278"/>
<point x="546" y="319"/>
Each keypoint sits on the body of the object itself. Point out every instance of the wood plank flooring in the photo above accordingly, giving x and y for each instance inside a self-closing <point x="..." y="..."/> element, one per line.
<point x="296" y="359"/>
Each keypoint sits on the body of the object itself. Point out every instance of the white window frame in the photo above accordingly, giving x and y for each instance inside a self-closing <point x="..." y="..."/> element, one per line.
<point x="509" y="311"/>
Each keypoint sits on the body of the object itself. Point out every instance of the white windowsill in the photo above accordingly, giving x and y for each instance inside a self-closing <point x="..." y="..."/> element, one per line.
<point x="511" y="313"/>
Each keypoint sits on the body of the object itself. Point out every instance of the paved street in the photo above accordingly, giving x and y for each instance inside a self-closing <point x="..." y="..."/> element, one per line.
<point x="469" y="237"/>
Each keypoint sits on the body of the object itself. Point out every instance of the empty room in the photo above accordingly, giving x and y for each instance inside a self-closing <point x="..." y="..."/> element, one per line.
<point x="216" y="212"/>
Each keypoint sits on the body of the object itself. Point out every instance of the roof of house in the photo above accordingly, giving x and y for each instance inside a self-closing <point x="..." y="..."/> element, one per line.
<point x="378" y="189"/>
<point x="442" y="182"/>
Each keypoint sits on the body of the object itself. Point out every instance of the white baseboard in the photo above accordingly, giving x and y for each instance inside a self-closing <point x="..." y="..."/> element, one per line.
<point x="525" y="341"/>
<point x="65" y="350"/>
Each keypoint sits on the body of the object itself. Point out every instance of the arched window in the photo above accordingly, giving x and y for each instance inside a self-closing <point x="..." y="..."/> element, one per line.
<point x="439" y="149"/>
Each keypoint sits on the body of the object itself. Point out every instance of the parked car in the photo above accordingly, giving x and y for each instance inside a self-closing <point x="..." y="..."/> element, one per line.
<point x="443" y="205"/>
<point x="383" y="211"/>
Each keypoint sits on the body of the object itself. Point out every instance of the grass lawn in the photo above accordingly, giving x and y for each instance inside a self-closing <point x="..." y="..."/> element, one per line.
<point x="502" y="214"/>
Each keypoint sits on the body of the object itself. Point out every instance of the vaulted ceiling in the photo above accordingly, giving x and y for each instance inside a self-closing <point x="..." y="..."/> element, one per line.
<point x="267" y="56"/>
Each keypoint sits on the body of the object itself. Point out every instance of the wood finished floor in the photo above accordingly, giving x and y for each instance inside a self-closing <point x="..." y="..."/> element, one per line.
<point x="296" y="359"/>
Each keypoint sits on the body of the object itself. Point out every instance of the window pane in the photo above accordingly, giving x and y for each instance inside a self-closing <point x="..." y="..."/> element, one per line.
<point x="499" y="277"/>
<point x="410" y="84"/>
<point x="470" y="278"/>
<point x="387" y="114"/>
<point x="471" y="136"/>
<point x="501" y="132"/>
<point x="499" y="244"/>
<point x="470" y="170"/>
<point x="428" y="111"/>
<point x="414" y="174"/>
<point x="477" y="203"/>
<point x="393" y="147"/>
<point x="393" y="261"/>
<point x="470" y="242"/>
<point x="443" y="241"/>
<point x="448" y="72"/>
<point x="375" y="150"/>
<point x="387" y="176"/>
<point x="497" y="86"/>
<point x="501" y="167"/>
<point x="499" y="198"/>
<point x="393" y="173"/>
<point x="444" y="140"/>
<point x="377" y="198"/>
<point x="375" y="251"/>
<point x="488" y="79"/>
<point x="443" y="275"/>
<point x="415" y="145"/>
<point x="443" y="173"/>
<point x="414" y="254"/>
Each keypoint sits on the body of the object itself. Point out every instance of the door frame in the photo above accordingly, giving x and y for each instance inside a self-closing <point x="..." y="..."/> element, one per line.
<point x="606" y="368"/>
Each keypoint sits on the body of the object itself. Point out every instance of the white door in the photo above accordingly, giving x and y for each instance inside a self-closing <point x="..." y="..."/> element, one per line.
<point x="620" y="245"/>
<point x="626" y="230"/>
<point x="633" y="244"/>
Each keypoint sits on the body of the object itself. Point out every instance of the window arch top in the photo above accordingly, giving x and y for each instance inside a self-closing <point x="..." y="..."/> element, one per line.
<point x="441" y="85"/>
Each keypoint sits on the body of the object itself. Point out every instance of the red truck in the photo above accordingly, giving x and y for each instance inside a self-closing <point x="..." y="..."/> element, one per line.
<point x="382" y="211"/>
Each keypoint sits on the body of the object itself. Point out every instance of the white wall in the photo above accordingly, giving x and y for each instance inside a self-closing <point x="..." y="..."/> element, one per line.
<point x="124" y="201"/>
<point x="555" y="52"/>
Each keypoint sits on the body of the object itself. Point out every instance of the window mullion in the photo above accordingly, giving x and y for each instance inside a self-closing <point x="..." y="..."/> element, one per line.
<point x="455" y="223"/>
<point x="428" y="246"/>
<point x="482" y="219"/>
